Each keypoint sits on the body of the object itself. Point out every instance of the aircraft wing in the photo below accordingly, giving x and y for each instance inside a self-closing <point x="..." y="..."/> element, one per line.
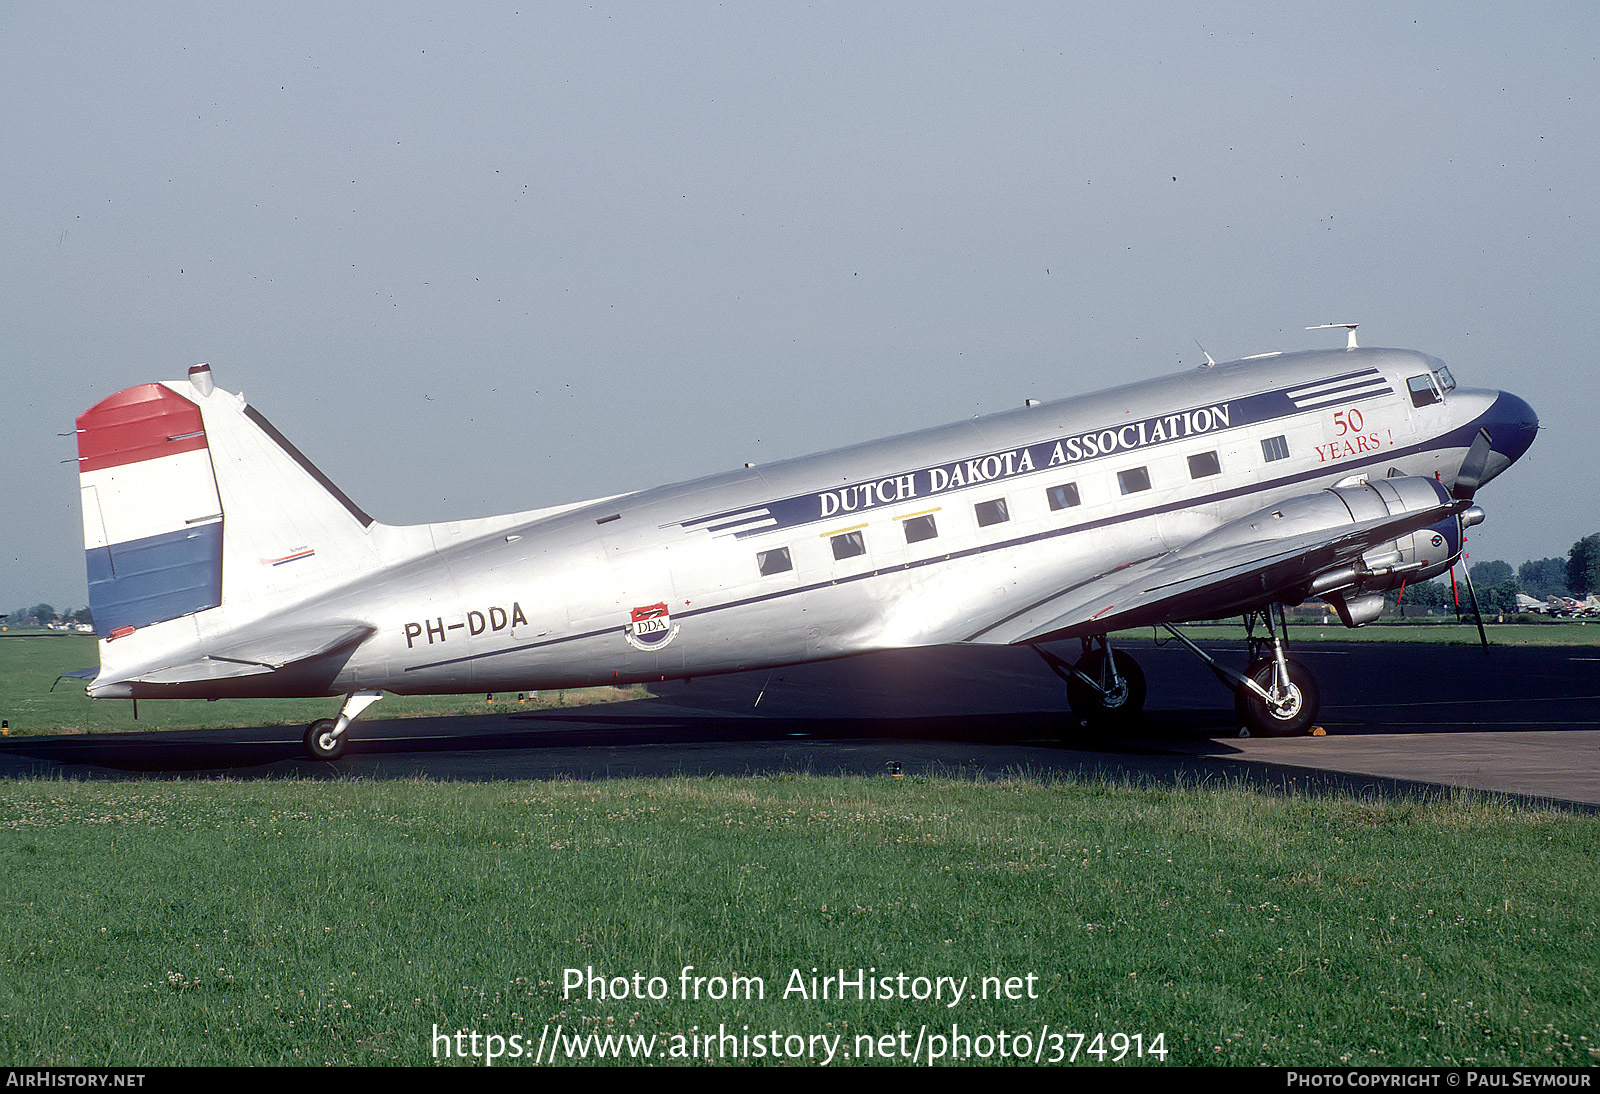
<point x="1268" y="556"/>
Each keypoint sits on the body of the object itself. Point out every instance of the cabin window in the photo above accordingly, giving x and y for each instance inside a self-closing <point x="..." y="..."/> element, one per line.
<point x="1275" y="448"/>
<point x="773" y="562"/>
<point x="848" y="545"/>
<point x="1064" y="496"/>
<point x="1202" y="464"/>
<point x="1423" y="393"/>
<point x="1134" y="479"/>
<point x="991" y="512"/>
<point x="920" y="528"/>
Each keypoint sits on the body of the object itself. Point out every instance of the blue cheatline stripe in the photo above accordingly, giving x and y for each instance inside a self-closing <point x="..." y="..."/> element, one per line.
<point x="150" y="580"/>
<point x="1327" y="382"/>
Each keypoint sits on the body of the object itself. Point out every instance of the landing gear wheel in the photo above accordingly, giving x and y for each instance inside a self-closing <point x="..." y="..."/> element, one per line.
<point x="1293" y="711"/>
<point x="321" y="744"/>
<point x="1120" y="703"/>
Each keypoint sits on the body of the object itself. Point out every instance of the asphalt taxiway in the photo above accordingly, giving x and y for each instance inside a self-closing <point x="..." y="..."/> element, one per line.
<point x="1523" y="721"/>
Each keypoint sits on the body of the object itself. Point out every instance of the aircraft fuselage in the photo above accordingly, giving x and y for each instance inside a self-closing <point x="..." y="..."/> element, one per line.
<point x="931" y="537"/>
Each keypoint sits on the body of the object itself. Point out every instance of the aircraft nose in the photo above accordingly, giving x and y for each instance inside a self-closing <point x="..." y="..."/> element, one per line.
<point x="1503" y="434"/>
<point x="1512" y="426"/>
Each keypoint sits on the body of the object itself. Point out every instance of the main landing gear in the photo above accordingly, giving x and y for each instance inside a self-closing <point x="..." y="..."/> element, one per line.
<point x="1275" y="696"/>
<point x="1105" y="687"/>
<point x="325" y="738"/>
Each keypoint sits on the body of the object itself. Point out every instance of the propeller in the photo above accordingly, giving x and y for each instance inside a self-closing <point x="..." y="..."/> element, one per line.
<point x="1472" y="595"/>
<point x="1470" y="477"/>
<point x="1468" y="518"/>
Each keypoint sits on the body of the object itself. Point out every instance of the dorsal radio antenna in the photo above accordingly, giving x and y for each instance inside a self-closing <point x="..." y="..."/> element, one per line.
<point x="1350" y="343"/>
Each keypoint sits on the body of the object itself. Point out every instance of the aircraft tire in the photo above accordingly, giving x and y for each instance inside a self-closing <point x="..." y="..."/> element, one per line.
<point x="1291" y="720"/>
<point x="320" y="743"/>
<point x="1096" y="709"/>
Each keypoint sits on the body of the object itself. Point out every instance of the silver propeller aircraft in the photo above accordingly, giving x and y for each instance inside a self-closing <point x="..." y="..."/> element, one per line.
<point x="222" y="563"/>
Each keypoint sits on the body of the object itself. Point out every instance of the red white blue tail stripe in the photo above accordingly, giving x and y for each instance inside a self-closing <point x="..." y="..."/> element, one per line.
<point x="152" y="520"/>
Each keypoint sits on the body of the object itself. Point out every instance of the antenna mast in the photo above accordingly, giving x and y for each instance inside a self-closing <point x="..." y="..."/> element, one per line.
<point x="1351" y="327"/>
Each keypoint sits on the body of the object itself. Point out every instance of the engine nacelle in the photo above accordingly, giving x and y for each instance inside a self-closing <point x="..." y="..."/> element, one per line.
<point x="1356" y="592"/>
<point x="1427" y="552"/>
<point x="1353" y="587"/>
<point x="1328" y="511"/>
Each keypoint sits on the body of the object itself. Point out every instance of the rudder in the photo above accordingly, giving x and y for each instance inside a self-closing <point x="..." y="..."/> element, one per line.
<point x="152" y="518"/>
<point x="192" y="501"/>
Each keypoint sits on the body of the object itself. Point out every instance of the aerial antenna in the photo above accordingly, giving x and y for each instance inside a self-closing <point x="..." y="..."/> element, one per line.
<point x="1209" y="362"/>
<point x="1351" y="327"/>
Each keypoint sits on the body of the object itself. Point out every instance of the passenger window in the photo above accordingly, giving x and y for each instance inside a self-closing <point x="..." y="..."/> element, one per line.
<point x="1275" y="448"/>
<point x="1134" y="479"/>
<point x="848" y="545"/>
<point x="1064" y="496"/>
<point x="1423" y="393"/>
<point x="1204" y="463"/>
<point x="920" y="528"/>
<point x="991" y="512"/>
<point x="773" y="562"/>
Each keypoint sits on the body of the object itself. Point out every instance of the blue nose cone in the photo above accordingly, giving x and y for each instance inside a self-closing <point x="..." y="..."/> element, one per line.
<point x="1512" y="426"/>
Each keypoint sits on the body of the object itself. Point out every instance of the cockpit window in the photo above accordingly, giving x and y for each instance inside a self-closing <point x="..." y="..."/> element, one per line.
<point x="1423" y="393"/>
<point x="1447" y="382"/>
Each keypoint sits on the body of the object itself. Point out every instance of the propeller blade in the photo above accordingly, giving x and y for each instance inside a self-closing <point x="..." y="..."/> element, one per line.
<point x="1470" y="477"/>
<point x="1477" y="615"/>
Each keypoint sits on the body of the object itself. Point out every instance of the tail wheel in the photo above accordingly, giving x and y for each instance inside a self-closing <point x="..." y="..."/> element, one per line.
<point x="321" y="744"/>
<point x="1121" y="701"/>
<point x="1293" y="708"/>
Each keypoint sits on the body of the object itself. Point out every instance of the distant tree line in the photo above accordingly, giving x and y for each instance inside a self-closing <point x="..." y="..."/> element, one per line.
<point x="42" y="615"/>
<point x="1497" y="585"/>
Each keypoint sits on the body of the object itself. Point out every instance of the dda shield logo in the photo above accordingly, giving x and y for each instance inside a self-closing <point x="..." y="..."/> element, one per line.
<point x="650" y="628"/>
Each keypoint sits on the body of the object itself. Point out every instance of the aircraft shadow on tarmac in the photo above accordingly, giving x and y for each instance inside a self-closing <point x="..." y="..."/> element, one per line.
<point x="985" y="710"/>
<point x="980" y="747"/>
<point x="216" y="750"/>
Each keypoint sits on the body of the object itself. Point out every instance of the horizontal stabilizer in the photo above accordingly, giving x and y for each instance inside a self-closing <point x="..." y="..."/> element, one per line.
<point x="76" y="674"/>
<point x="262" y="655"/>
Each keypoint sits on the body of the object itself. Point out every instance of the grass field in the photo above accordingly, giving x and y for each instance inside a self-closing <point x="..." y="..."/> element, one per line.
<point x="29" y="667"/>
<point x="281" y="922"/>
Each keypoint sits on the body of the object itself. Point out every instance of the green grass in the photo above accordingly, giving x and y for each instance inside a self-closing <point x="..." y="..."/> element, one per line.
<point x="29" y="667"/>
<point x="339" y="922"/>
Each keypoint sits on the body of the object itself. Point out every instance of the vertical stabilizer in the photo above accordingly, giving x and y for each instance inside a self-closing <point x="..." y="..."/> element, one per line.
<point x="196" y="509"/>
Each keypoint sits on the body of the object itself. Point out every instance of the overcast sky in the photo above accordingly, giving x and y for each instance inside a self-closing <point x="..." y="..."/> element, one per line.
<point x="509" y="255"/>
